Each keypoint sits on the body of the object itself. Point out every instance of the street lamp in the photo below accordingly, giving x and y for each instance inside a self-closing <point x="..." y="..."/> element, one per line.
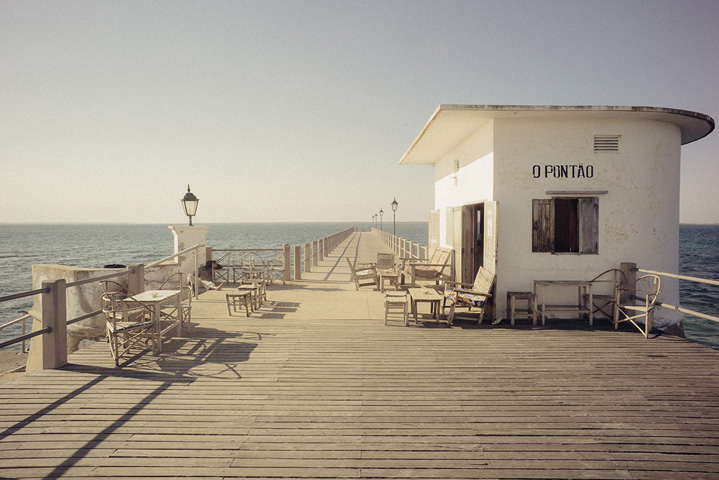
<point x="394" y="213"/>
<point x="380" y="219"/>
<point x="189" y="204"/>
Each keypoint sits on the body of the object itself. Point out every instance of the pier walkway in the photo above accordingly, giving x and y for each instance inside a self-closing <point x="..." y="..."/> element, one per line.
<point x="314" y="385"/>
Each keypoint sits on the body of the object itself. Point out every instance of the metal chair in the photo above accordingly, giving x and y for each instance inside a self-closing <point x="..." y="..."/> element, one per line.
<point x="644" y="289"/>
<point x="604" y="292"/>
<point x="175" y="281"/>
<point x="128" y="323"/>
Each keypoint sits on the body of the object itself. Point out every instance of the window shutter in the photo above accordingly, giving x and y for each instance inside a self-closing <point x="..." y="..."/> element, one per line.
<point x="542" y="225"/>
<point x="588" y="212"/>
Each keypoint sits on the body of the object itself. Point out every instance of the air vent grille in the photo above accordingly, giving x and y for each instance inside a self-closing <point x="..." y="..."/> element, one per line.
<point x="606" y="143"/>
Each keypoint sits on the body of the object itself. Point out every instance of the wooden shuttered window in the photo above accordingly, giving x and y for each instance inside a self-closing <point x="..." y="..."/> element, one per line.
<point x="543" y="225"/>
<point x="565" y="225"/>
<point x="588" y="219"/>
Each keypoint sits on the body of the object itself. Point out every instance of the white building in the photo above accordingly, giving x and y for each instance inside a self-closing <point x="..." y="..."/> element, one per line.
<point x="557" y="192"/>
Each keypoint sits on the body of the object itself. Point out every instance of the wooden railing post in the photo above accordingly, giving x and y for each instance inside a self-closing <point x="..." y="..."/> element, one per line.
<point x="322" y="248"/>
<point x="286" y="263"/>
<point x="298" y="262"/>
<point x="314" y="253"/>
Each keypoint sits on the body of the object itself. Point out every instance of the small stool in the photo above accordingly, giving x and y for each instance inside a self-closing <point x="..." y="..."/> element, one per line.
<point x="529" y="312"/>
<point x="236" y="300"/>
<point x="396" y="300"/>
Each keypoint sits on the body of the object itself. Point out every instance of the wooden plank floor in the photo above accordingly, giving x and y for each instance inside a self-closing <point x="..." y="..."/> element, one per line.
<point x="314" y="385"/>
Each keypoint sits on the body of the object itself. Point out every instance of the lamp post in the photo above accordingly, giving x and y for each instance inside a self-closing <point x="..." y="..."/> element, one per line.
<point x="189" y="203"/>
<point x="381" y="212"/>
<point x="394" y="213"/>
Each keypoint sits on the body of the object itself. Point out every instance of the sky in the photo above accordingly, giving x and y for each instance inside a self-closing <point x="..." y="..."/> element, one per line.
<point x="299" y="111"/>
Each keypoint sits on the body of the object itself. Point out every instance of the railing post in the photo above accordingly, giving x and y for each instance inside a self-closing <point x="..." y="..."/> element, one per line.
<point x="629" y="276"/>
<point x="308" y="256"/>
<point x="322" y="249"/>
<point x="286" y="259"/>
<point x="298" y="262"/>
<point x="314" y="252"/>
<point x="49" y="351"/>
<point x="136" y="278"/>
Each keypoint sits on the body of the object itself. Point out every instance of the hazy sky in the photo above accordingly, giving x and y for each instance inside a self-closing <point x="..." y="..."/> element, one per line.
<point x="301" y="110"/>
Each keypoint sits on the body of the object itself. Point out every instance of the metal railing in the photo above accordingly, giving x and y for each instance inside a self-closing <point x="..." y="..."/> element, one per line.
<point x="687" y="278"/>
<point x="295" y="260"/>
<point x="47" y="290"/>
<point x="402" y="247"/>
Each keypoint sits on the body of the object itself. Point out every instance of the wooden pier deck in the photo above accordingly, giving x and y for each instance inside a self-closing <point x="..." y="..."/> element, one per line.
<point x="314" y="385"/>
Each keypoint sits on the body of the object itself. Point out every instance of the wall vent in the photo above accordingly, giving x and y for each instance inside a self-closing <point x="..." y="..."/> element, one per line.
<point x="606" y="143"/>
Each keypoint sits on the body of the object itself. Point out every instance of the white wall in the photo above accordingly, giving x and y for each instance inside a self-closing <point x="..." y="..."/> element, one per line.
<point x="472" y="183"/>
<point x="638" y="217"/>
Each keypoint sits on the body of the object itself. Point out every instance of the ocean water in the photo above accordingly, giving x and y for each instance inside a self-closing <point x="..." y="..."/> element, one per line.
<point x="90" y="245"/>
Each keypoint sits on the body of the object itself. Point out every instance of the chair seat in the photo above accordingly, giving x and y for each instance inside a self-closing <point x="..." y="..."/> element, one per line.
<point x="463" y="297"/>
<point x="124" y="327"/>
<point x="426" y="272"/>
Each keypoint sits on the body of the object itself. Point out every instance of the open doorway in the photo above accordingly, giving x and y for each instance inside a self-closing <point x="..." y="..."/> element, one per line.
<point x="470" y="240"/>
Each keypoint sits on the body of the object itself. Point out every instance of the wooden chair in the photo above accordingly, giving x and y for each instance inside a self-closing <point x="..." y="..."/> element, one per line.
<point x="175" y="282"/>
<point x="235" y="301"/>
<point x="252" y="267"/>
<point x="646" y="289"/>
<point x="219" y="272"/>
<point x="433" y="269"/>
<point x="604" y="292"/>
<point x="474" y="297"/>
<point x="363" y="275"/>
<point x="276" y="269"/>
<point x="385" y="261"/>
<point x="128" y="323"/>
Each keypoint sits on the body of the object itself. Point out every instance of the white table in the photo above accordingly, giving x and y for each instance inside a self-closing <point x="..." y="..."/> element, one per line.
<point x="155" y="299"/>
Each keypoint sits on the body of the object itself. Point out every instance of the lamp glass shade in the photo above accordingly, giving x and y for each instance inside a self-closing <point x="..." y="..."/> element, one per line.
<point x="189" y="203"/>
<point x="394" y="205"/>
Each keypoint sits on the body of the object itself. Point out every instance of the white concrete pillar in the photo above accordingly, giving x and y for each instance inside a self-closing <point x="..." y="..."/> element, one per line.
<point x="186" y="237"/>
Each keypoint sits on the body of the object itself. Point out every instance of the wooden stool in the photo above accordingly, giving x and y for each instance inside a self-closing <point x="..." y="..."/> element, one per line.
<point x="396" y="300"/>
<point x="529" y="312"/>
<point x="236" y="300"/>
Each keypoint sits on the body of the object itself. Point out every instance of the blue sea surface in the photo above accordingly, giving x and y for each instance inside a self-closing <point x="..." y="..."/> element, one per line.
<point x="699" y="257"/>
<point x="93" y="246"/>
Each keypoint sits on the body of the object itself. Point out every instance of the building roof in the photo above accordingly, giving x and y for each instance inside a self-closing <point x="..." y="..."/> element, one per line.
<point x="449" y="125"/>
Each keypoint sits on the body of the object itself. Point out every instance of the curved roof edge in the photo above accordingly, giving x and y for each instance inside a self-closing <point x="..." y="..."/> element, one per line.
<point x="693" y="125"/>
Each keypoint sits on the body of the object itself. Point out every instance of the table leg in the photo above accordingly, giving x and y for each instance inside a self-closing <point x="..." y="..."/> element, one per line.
<point x="179" y="315"/>
<point x="158" y="326"/>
